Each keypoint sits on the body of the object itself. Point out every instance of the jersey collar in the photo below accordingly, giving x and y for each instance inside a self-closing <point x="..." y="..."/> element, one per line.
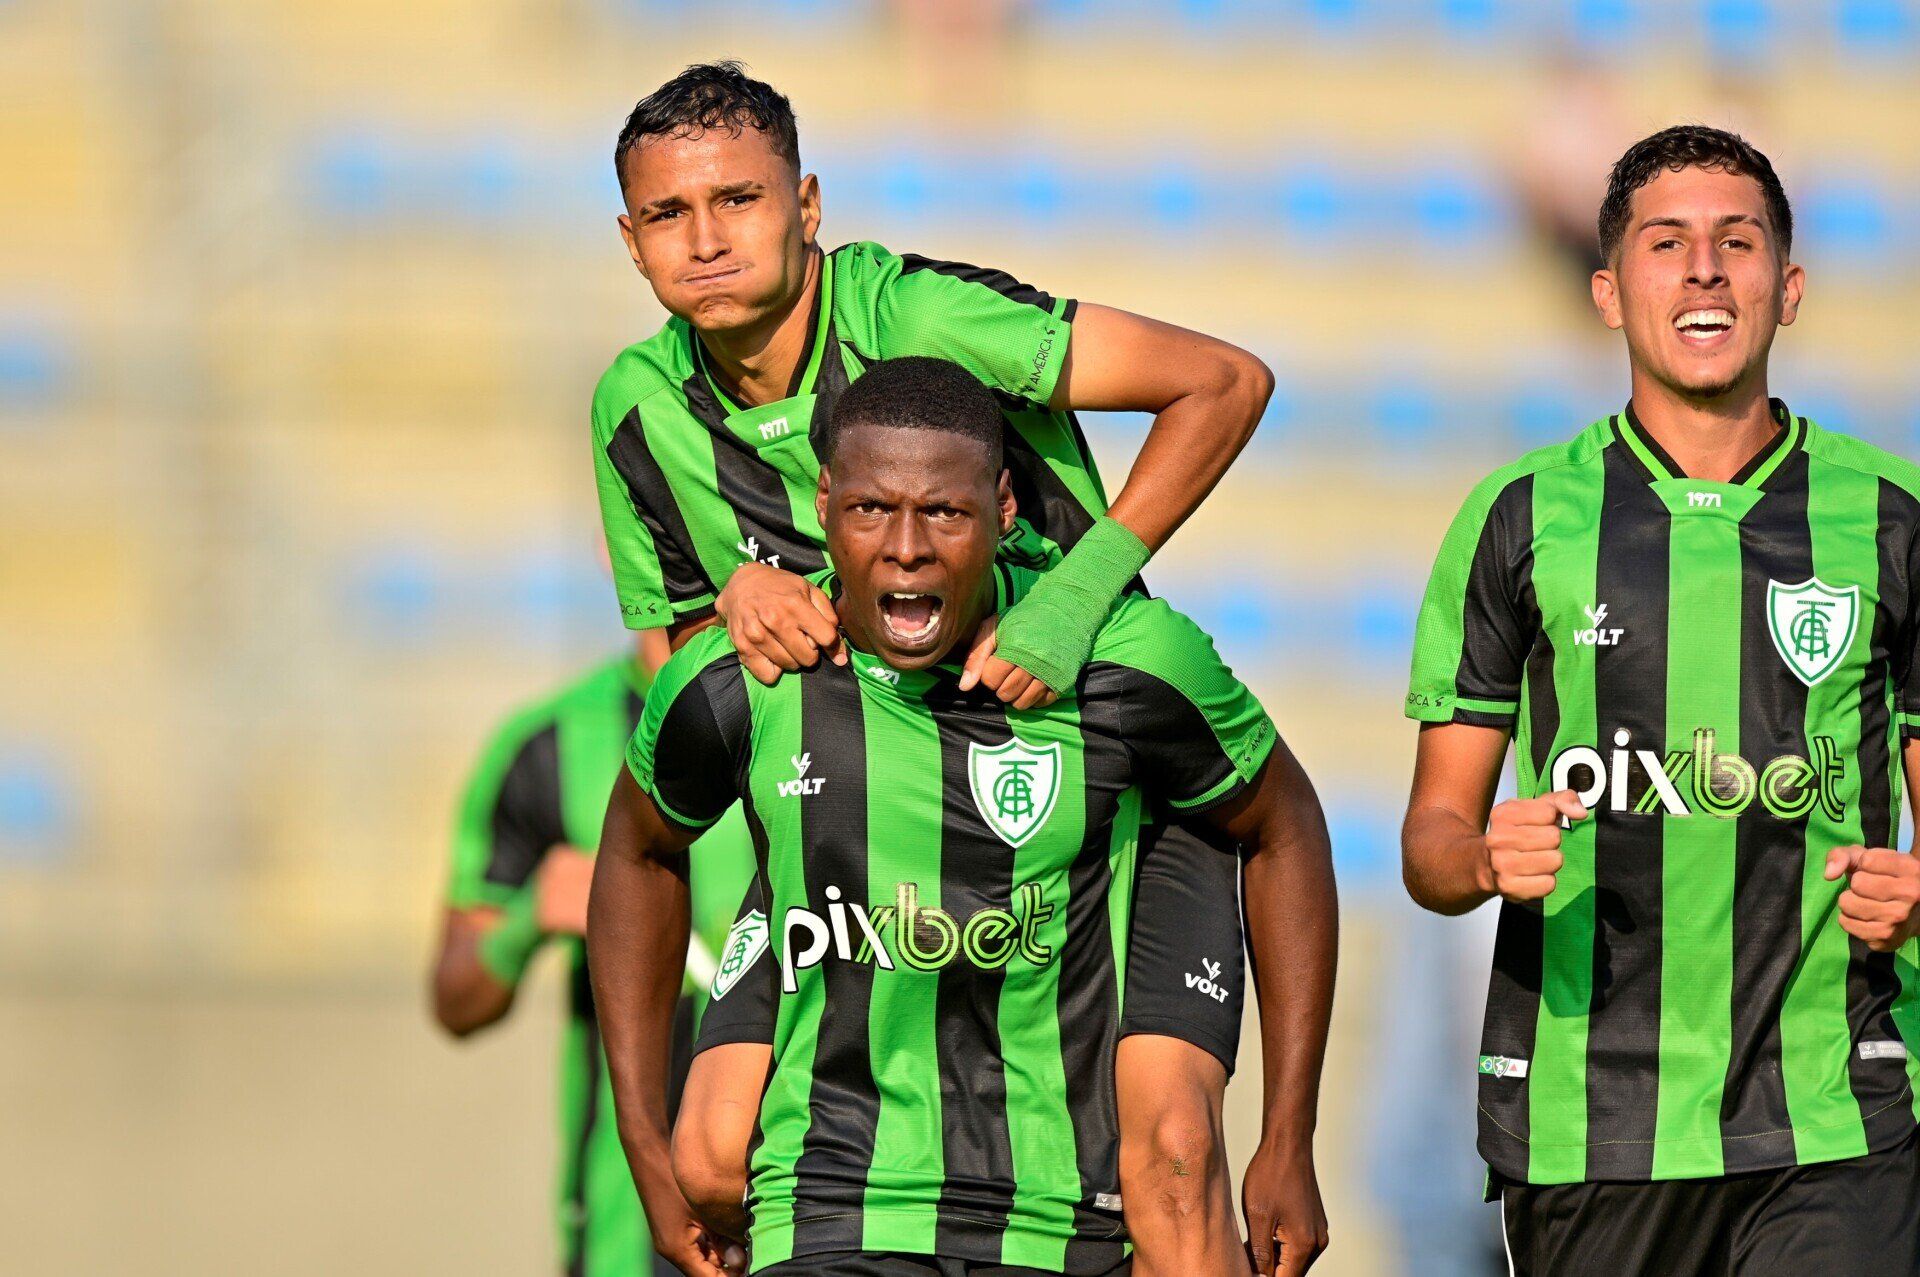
<point x="1660" y="466"/>
<point x="808" y="372"/>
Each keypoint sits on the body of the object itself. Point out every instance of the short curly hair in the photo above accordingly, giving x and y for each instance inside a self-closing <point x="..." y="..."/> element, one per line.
<point x="917" y="392"/>
<point x="711" y="95"/>
<point x="1689" y="146"/>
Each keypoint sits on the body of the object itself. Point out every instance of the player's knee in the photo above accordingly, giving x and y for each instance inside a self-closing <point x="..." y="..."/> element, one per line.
<point x="1172" y="1166"/>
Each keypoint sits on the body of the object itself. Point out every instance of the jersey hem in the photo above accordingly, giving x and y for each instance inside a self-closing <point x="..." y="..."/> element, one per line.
<point x="1166" y="1026"/>
<point x="993" y="1239"/>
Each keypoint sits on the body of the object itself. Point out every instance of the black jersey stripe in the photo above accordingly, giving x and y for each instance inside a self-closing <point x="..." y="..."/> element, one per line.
<point x="580" y="1159"/>
<point x="528" y="817"/>
<point x="681" y="573"/>
<point x="1630" y="694"/>
<point x="1513" y="1003"/>
<point x="1755" y="1120"/>
<point x="844" y="1099"/>
<point x="1045" y="502"/>
<point x="976" y="1199"/>
<point x="998" y="280"/>
<point x="1492" y="646"/>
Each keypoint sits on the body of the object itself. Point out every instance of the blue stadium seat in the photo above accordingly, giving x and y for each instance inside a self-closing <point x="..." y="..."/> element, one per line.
<point x="35" y="365"/>
<point x="37" y="806"/>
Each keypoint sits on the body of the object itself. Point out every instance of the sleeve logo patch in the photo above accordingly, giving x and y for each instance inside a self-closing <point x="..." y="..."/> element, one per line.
<point x="1502" y="1066"/>
<point x="745" y="943"/>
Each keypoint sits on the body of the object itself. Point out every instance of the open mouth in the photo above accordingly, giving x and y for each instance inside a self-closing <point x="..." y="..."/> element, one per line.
<point x="1704" y="325"/>
<point x="909" y="618"/>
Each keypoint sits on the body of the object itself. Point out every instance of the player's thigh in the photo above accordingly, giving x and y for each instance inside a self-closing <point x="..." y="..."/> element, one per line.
<point x="718" y="1110"/>
<point x="1860" y="1217"/>
<point x="1186" y="970"/>
<point x="1675" y="1229"/>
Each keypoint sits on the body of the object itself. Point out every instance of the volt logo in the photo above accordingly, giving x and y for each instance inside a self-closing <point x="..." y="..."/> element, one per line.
<point x="800" y="785"/>
<point x="1596" y="634"/>
<point x="751" y="549"/>
<point x="1208" y="984"/>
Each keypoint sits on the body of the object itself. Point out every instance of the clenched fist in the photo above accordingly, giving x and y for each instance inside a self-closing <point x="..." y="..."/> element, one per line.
<point x="1523" y="845"/>
<point x="1883" y="890"/>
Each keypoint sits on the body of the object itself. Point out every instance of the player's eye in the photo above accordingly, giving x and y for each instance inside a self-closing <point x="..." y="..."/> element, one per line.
<point x="663" y="215"/>
<point x="738" y="201"/>
<point x="1664" y="244"/>
<point x="1736" y="242"/>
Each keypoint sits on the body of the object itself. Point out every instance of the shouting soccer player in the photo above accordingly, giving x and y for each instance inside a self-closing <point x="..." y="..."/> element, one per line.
<point x="1699" y="619"/>
<point x="522" y="846"/>
<point x="706" y="445"/>
<point x="948" y="878"/>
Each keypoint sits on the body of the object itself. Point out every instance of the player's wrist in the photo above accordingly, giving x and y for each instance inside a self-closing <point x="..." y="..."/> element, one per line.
<point x="1050" y="633"/>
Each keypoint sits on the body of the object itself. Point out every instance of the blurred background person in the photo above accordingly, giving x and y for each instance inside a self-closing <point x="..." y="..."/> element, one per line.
<point x="300" y="306"/>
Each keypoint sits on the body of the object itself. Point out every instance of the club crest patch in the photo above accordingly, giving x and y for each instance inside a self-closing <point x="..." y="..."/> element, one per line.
<point x="1014" y="786"/>
<point x="745" y="943"/>
<point x="1812" y="625"/>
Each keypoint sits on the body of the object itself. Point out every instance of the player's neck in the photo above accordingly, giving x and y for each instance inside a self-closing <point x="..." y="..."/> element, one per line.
<point x="755" y="365"/>
<point x="1710" y="439"/>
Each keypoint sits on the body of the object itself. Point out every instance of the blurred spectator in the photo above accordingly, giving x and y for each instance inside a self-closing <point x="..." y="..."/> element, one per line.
<point x="1571" y="135"/>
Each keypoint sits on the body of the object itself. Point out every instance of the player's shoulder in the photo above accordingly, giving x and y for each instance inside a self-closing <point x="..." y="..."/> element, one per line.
<point x="658" y="365"/>
<point x="1845" y="450"/>
<point x="1584" y="449"/>
<point x="707" y="655"/>
<point x="1152" y="636"/>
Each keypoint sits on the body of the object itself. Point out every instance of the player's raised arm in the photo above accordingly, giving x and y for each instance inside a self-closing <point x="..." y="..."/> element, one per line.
<point x="1207" y="397"/>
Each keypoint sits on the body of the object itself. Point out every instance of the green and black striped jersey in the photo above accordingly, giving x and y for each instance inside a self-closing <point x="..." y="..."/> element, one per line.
<point x="951" y="886"/>
<point x="542" y="783"/>
<point x="691" y="486"/>
<point x="1724" y="672"/>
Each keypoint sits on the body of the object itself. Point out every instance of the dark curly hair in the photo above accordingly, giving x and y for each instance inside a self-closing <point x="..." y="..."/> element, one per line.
<point x="917" y="392"/>
<point x="711" y="95"/>
<point x="1689" y="146"/>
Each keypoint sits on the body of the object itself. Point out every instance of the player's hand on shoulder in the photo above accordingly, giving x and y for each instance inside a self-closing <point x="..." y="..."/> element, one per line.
<point x="1523" y="845"/>
<point x="1881" y="903"/>
<point x="1004" y="679"/>
<point x="562" y="882"/>
<point x="778" y="620"/>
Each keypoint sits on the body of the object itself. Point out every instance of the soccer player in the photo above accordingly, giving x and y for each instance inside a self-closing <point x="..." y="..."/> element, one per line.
<point x="521" y="868"/>
<point x="1700" y="619"/>
<point x="948" y="878"/>
<point x="706" y="445"/>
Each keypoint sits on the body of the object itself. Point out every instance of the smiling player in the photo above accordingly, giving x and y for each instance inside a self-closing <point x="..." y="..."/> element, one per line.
<point x="1699" y="620"/>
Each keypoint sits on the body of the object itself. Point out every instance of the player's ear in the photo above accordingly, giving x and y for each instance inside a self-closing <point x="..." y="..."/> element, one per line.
<point x="1003" y="494"/>
<point x="1606" y="298"/>
<point x="820" y="496"/>
<point x="809" y="209"/>
<point x="633" y="245"/>
<point x="1794" y="287"/>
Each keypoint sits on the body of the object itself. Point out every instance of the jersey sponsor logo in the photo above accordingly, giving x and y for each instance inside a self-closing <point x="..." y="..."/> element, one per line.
<point x="1502" y="1066"/>
<point x="1208" y="984"/>
<point x="1812" y="625"/>
<point x="1704" y="500"/>
<point x="745" y="943"/>
<point x="773" y="429"/>
<point x="1597" y="633"/>
<point x="1014" y="786"/>
<point x="750" y="549"/>
<point x="1701" y="780"/>
<point x="801" y="785"/>
<point x="920" y="937"/>
<point x="882" y="674"/>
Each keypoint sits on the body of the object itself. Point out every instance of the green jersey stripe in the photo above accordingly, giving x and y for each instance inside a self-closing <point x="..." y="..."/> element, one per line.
<point x="1567" y="502"/>
<point x="909" y="1162"/>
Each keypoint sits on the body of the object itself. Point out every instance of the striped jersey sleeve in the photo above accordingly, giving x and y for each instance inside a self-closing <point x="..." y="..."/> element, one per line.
<point x="510" y="815"/>
<point x="1012" y="336"/>
<point x="1905" y="503"/>
<point x="1471" y="642"/>
<point x="690" y="751"/>
<point x="1196" y="735"/>
<point x="656" y="569"/>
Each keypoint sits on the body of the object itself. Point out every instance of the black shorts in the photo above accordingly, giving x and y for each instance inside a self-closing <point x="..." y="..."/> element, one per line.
<point x="1854" y="1218"/>
<point x="869" y="1264"/>
<point x="1186" y="964"/>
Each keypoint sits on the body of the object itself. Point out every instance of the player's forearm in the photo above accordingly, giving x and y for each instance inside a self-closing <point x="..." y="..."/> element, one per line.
<point x="1293" y="927"/>
<point x="637" y="922"/>
<point x="1193" y="441"/>
<point x="1443" y="861"/>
